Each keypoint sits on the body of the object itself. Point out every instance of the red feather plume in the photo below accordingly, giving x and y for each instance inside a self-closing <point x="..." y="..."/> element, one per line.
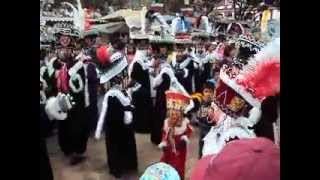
<point x="103" y="55"/>
<point x="264" y="81"/>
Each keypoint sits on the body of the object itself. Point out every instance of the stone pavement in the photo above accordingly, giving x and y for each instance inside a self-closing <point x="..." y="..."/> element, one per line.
<point x="95" y="166"/>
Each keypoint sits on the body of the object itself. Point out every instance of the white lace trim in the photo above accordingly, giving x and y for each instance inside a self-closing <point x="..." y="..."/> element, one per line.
<point x="125" y="101"/>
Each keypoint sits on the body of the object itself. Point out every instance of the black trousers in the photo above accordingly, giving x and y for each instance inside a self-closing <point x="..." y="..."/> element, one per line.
<point x="203" y="133"/>
<point x="74" y="133"/>
<point x="45" y="166"/>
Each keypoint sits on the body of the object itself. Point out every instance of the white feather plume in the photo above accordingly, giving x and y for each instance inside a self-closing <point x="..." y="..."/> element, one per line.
<point x="270" y="51"/>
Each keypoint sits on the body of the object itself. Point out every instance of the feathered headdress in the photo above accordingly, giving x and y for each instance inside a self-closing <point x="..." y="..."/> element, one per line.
<point x="109" y="63"/>
<point x="262" y="75"/>
<point x="260" y="78"/>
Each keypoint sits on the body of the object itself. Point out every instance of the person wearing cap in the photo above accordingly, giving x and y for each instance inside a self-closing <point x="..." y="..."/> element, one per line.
<point x="249" y="159"/>
<point x="116" y="116"/>
<point x="176" y="131"/>
<point x="160" y="171"/>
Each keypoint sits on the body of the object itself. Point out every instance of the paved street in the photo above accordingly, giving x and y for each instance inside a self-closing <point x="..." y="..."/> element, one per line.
<point x="95" y="167"/>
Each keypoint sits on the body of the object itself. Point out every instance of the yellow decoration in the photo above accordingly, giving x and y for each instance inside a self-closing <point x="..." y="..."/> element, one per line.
<point x="176" y="104"/>
<point x="266" y="16"/>
<point x="171" y="56"/>
<point x="197" y="96"/>
<point x="236" y="104"/>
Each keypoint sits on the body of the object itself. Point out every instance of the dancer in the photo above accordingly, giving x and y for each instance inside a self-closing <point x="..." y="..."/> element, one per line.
<point x="176" y="131"/>
<point x="116" y="115"/>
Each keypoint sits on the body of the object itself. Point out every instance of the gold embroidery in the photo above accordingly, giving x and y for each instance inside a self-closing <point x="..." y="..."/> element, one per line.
<point x="178" y="105"/>
<point x="236" y="104"/>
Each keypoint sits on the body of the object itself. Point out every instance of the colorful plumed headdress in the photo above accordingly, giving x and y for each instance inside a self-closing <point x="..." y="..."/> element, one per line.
<point x="177" y="97"/>
<point x="248" y="41"/>
<point x="248" y="46"/>
<point x="236" y="94"/>
<point x="177" y="100"/>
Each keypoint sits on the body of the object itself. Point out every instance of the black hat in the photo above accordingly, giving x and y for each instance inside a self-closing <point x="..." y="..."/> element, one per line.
<point x="92" y="33"/>
<point x="209" y="84"/>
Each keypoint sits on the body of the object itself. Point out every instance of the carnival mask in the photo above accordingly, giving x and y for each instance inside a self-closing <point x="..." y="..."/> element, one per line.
<point x="175" y="117"/>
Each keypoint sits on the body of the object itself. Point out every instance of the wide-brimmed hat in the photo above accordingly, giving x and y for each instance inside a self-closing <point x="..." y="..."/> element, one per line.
<point x="236" y="94"/>
<point x="183" y="38"/>
<point x="109" y="63"/>
<point x="250" y="159"/>
<point x="93" y="33"/>
<point x="66" y="37"/>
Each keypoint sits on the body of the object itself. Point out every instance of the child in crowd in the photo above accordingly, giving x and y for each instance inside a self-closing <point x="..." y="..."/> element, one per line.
<point x="202" y="103"/>
<point x="176" y="132"/>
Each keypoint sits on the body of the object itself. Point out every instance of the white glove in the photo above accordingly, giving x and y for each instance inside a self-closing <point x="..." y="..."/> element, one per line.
<point x="162" y="144"/>
<point x="127" y="117"/>
<point x="186" y="73"/>
<point x="185" y="138"/>
<point x="97" y="135"/>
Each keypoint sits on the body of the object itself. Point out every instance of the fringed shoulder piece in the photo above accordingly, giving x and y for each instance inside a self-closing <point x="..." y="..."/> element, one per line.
<point x="139" y="57"/>
<point x="166" y="70"/>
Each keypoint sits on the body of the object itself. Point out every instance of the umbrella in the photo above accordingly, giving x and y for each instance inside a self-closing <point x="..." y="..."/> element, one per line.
<point x="247" y="159"/>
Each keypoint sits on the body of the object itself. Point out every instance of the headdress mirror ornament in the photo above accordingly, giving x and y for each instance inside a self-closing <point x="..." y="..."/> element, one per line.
<point x="249" y="41"/>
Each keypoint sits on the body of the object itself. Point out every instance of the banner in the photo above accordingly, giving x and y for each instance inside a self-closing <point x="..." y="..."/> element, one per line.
<point x="266" y="15"/>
